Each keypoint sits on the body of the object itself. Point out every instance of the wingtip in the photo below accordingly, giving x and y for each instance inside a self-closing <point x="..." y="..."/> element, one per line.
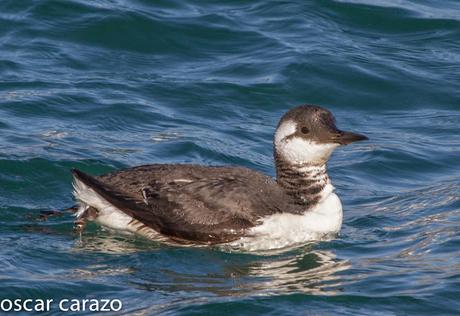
<point x="75" y="172"/>
<point x="78" y="174"/>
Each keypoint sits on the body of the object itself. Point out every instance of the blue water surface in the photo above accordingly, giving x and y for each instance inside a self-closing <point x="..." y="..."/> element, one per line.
<point x="105" y="84"/>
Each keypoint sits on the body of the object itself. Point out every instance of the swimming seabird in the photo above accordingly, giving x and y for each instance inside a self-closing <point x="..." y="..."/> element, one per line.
<point x="196" y="205"/>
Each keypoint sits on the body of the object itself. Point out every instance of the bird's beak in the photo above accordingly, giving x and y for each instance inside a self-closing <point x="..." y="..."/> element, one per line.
<point x="345" y="138"/>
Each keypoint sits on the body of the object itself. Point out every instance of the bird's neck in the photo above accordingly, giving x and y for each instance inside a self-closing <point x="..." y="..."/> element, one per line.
<point x="305" y="182"/>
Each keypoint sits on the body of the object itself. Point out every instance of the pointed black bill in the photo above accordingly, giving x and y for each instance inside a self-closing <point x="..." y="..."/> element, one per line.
<point x="345" y="138"/>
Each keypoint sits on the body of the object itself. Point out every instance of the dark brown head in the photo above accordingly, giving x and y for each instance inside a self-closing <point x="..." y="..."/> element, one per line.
<point x="308" y="134"/>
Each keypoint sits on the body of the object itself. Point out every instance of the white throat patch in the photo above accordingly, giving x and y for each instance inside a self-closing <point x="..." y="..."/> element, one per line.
<point x="299" y="150"/>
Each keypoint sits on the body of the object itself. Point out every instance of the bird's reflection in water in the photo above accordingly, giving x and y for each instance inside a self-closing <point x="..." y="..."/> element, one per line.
<point x="296" y="271"/>
<point x="108" y="243"/>
<point x="155" y="267"/>
<point x="308" y="271"/>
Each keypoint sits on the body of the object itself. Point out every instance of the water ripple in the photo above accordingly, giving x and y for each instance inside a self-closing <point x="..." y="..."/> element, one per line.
<point x="101" y="85"/>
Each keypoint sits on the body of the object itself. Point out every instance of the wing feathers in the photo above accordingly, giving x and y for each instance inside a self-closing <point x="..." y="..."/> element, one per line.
<point x="191" y="203"/>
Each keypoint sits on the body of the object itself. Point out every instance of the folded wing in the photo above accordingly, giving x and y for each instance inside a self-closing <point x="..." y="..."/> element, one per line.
<point x="213" y="209"/>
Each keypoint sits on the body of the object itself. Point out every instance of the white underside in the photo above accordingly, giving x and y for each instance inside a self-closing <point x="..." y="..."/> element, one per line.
<point x="284" y="230"/>
<point x="275" y="231"/>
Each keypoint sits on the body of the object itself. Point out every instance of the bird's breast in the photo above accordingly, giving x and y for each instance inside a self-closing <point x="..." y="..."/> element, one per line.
<point x="322" y="222"/>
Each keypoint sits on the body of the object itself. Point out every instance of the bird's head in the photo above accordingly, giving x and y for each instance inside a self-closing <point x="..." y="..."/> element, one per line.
<point x="308" y="134"/>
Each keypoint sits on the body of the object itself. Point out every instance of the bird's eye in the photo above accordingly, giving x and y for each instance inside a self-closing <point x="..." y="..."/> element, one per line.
<point x="305" y="130"/>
